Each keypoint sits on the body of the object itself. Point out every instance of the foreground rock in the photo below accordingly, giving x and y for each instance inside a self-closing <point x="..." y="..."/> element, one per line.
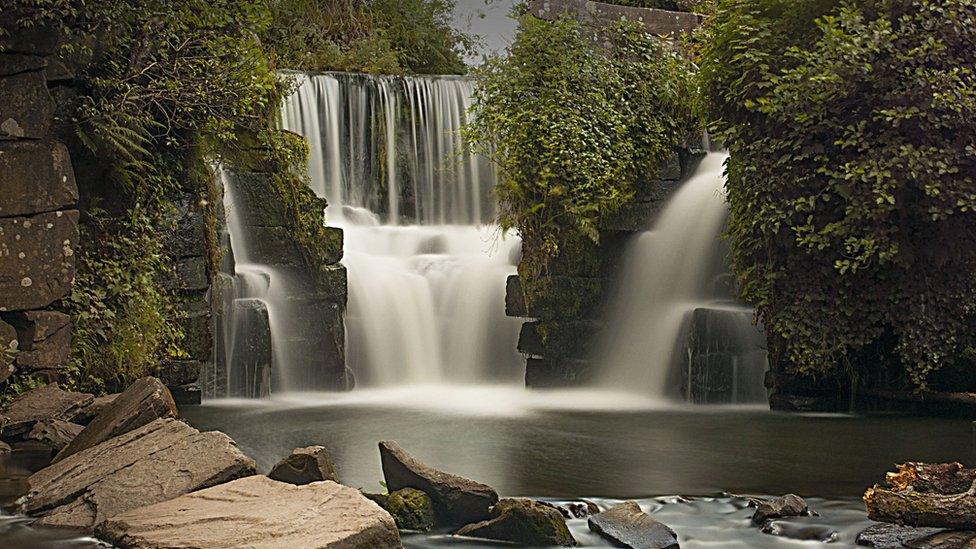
<point x="97" y="406"/>
<point x="54" y="433"/>
<point x="257" y="512"/>
<point x="143" y="402"/>
<point x="47" y="402"/>
<point x="921" y="494"/>
<point x="304" y="466"/>
<point x="789" y="505"/>
<point x="895" y="536"/>
<point x="573" y="509"/>
<point x="457" y="500"/>
<point x="411" y="509"/>
<point x="524" y="522"/>
<point x="800" y="531"/>
<point x="627" y="525"/>
<point x="153" y="463"/>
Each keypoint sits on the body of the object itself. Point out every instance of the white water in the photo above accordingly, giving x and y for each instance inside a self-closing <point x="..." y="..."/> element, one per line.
<point x="667" y="274"/>
<point x="426" y="278"/>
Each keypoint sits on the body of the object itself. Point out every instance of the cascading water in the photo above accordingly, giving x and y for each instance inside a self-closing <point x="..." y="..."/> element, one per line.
<point x="670" y="272"/>
<point x="426" y="274"/>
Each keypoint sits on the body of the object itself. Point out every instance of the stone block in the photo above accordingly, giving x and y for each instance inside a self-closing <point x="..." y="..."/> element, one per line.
<point x="26" y="106"/>
<point x="557" y="373"/>
<point x="16" y="63"/>
<point x="199" y="337"/>
<point x="35" y="177"/>
<point x="35" y="40"/>
<point x="559" y="339"/>
<point x="514" y="298"/>
<point x="187" y="234"/>
<point x="274" y="246"/>
<point x="38" y="259"/>
<point x="174" y="373"/>
<point x="190" y="275"/>
<point x="255" y="201"/>
<point x="563" y="297"/>
<point x="51" y="353"/>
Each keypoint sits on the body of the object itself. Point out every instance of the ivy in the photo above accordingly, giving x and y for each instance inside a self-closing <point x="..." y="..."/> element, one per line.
<point x="852" y="178"/>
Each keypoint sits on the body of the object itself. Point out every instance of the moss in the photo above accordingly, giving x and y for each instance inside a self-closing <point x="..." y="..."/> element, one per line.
<point x="411" y="510"/>
<point x="561" y="297"/>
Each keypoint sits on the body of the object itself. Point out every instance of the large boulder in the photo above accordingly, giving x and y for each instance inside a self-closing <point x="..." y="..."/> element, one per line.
<point x="411" y="510"/>
<point x="257" y="512"/>
<point x="39" y="259"/>
<point x="789" y="505"/>
<point x="143" y="402"/>
<point x="524" y="522"/>
<point x="54" y="433"/>
<point x="304" y="466"/>
<point x="628" y="526"/>
<point x="156" y="462"/>
<point x="457" y="500"/>
<point x="46" y="402"/>
<point x="35" y="176"/>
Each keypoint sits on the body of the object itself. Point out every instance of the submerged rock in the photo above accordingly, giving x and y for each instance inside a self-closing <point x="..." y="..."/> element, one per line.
<point x="305" y="465"/>
<point x="457" y="500"/>
<point x="143" y="402"/>
<point x="411" y="510"/>
<point x="801" y="532"/>
<point x="524" y="522"/>
<point x="895" y="536"/>
<point x="54" y="433"/>
<point x="153" y="463"/>
<point x="47" y="402"/>
<point x="789" y="505"/>
<point x="257" y="512"/>
<point x="627" y="525"/>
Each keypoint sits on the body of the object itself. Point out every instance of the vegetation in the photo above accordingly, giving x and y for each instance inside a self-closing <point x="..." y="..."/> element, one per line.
<point x="697" y="6"/>
<point x="373" y="36"/>
<point x="572" y="127"/>
<point x="851" y="179"/>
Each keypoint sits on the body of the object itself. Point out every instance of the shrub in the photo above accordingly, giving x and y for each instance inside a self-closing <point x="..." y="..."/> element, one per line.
<point x="572" y="126"/>
<point x="851" y="179"/>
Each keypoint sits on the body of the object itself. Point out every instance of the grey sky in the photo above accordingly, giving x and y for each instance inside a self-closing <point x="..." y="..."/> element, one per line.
<point x="489" y="19"/>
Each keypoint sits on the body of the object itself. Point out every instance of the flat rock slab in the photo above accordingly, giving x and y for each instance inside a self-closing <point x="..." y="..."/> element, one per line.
<point x="54" y="432"/>
<point x="524" y="522"/>
<point x="47" y="402"/>
<point x="304" y="466"/>
<point x="628" y="526"/>
<point x="157" y="462"/>
<point x="143" y="402"/>
<point x="457" y="500"/>
<point x="257" y="512"/>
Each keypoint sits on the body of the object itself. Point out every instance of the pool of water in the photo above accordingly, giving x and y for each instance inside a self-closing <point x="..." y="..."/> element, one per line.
<point x="604" y="447"/>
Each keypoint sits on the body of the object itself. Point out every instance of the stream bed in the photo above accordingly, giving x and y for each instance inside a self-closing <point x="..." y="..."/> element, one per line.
<point x="603" y="447"/>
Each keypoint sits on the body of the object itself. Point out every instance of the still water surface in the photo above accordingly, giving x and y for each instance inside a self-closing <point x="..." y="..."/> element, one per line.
<point x="600" y="446"/>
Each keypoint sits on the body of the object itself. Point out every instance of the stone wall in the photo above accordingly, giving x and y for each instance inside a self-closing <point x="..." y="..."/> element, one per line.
<point x="38" y="212"/>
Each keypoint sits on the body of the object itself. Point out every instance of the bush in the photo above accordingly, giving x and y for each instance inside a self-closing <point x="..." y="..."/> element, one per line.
<point x="572" y="126"/>
<point x="851" y="179"/>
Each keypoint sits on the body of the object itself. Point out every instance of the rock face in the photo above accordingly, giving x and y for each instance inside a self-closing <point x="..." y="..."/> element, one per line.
<point x="44" y="339"/>
<point x="39" y="258"/>
<point x="47" y="402"/>
<point x="154" y="463"/>
<point x="54" y="432"/>
<point x="24" y="165"/>
<point x="457" y="500"/>
<point x="304" y="466"/>
<point x="144" y="401"/>
<point x="789" y="505"/>
<point x="627" y="525"/>
<point x="524" y="522"/>
<point x="257" y="512"/>
<point x="411" y="510"/>
<point x="26" y="107"/>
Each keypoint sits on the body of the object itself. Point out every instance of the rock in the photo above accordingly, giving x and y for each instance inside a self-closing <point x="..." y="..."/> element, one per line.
<point x="47" y="402"/>
<point x="573" y="509"/>
<point x="143" y="402"/>
<point x="15" y="63"/>
<point x="4" y="449"/>
<point x="34" y="40"/>
<point x="305" y="465"/>
<point x="379" y="499"/>
<point x="789" y="505"/>
<point x="524" y="522"/>
<point x="153" y="463"/>
<point x="411" y="510"/>
<point x="26" y="107"/>
<point x="605" y="15"/>
<point x="45" y="340"/>
<point x="457" y="500"/>
<point x="257" y="512"/>
<point x="35" y="176"/>
<point x="174" y="373"/>
<point x="88" y="413"/>
<point x="893" y="536"/>
<point x="627" y="525"/>
<point x="190" y="274"/>
<point x="801" y="532"/>
<point x="8" y="350"/>
<point x="514" y="297"/>
<point x="54" y="433"/>
<point x="39" y="259"/>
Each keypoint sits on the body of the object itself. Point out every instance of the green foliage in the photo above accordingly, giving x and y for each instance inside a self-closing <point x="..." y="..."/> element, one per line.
<point x="372" y="36"/>
<point x="852" y="178"/>
<point x="572" y="126"/>
<point x="697" y="6"/>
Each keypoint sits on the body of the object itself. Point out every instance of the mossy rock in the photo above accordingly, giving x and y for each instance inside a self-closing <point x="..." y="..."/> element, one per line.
<point x="524" y="522"/>
<point x="562" y="297"/>
<point x="411" y="510"/>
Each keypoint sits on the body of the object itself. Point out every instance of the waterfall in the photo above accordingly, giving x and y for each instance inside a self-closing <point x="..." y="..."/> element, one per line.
<point x="670" y="272"/>
<point x="426" y="269"/>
